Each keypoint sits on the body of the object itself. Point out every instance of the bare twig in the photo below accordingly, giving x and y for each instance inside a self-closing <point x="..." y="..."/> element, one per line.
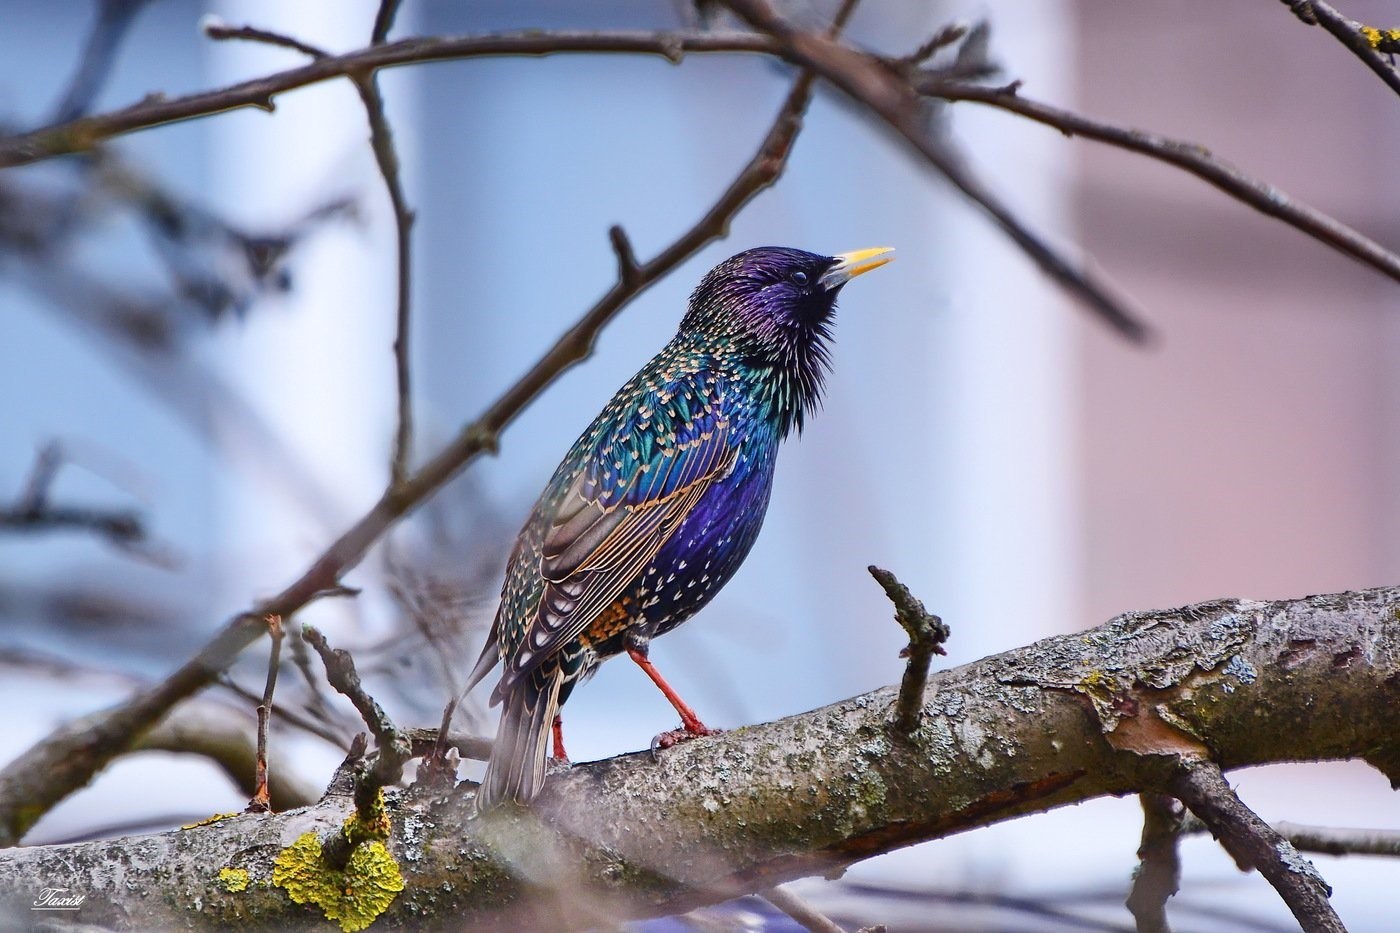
<point x="1158" y="875"/>
<point x="221" y="31"/>
<point x="382" y="141"/>
<point x="944" y="37"/>
<point x="795" y="907"/>
<point x="1326" y="840"/>
<point x="392" y="752"/>
<point x="157" y="110"/>
<point x="32" y="510"/>
<point x="1332" y="840"/>
<point x="384" y="21"/>
<point x="927" y="633"/>
<point x="1367" y="43"/>
<point x="423" y="741"/>
<point x="1254" y="844"/>
<point x="1186" y="156"/>
<point x="99" y="54"/>
<point x="261" y="803"/>
<point x="207" y="729"/>
<point x="323" y="729"/>
<point x="393" y="747"/>
<point x="890" y="97"/>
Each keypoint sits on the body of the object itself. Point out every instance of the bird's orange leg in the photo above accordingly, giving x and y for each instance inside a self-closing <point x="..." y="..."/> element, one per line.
<point x="559" y="753"/>
<point x="692" y="725"/>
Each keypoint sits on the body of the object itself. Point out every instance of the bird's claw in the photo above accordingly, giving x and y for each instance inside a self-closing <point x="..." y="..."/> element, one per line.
<point x="557" y="765"/>
<point x="677" y="736"/>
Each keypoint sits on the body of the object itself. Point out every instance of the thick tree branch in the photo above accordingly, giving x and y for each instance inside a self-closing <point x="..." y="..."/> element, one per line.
<point x="1113" y="710"/>
<point x="1255" y="844"/>
<point x="66" y="760"/>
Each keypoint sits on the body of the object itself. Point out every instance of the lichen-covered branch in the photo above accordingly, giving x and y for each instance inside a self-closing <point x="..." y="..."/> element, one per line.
<point x="1117" y="709"/>
<point x="1374" y="46"/>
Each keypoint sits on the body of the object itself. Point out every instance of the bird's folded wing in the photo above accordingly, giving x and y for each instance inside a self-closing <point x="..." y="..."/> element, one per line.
<point x="592" y="552"/>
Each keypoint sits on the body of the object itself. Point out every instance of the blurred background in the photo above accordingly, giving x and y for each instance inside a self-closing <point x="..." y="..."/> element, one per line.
<point x="197" y="328"/>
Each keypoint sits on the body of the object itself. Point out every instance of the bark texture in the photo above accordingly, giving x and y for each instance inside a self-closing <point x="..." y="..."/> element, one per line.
<point x="1122" y="708"/>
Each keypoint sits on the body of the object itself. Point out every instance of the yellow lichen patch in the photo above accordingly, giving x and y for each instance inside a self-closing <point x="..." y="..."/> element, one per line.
<point x="233" y="879"/>
<point x="374" y="826"/>
<point x="210" y="820"/>
<point x="1380" y="39"/>
<point x="353" y="897"/>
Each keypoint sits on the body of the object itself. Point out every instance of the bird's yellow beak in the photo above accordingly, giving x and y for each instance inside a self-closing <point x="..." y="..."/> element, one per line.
<point x="849" y="265"/>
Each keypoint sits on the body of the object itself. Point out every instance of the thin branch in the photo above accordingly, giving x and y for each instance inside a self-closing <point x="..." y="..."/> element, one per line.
<point x="382" y="141"/>
<point x="384" y="21"/>
<point x="99" y="54"/>
<point x="927" y="633"/>
<point x="944" y="37"/>
<point x="207" y="729"/>
<point x="886" y="94"/>
<point x="216" y="29"/>
<point x="1326" y="840"/>
<point x="323" y="729"/>
<point x="260" y="802"/>
<point x="1331" y="840"/>
<point x="1254" y="844"/>
<point x="32" y="510"/>
<point x="1158" y="875"/>
<point x="392" y="752"/>
<point x="795" y="907"/>
<point x="1367" y="43"/>
<point x="1187" y="156"/>
<point x="157" y="110"/>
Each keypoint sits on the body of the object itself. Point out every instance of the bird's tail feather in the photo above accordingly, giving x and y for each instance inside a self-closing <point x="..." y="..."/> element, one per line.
<point x="516" y="769"/>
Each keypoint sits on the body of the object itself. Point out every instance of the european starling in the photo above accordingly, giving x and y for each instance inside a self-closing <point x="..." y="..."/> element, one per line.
<point x="659" y="501"/>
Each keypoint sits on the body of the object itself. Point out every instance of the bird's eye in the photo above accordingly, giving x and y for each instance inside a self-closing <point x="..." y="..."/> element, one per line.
<point x="798" y="278"/>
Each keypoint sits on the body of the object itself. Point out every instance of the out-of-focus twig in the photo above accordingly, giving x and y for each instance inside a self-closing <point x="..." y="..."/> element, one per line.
<point x="157" y="110"/>
<point x="99" y="54"/>
<point x="889" y="96"/>
<point x="214" y="732"/>
<point x="1158" y="874"/>
<point x="1187" y="156"/>
<point x="1254" y="844"/>
<point x="32" y="510"/>
<point x="1367" y="43"/>
<point x="384" y="21"/>
<point x="811" y="919"/>
<point x="1326" y="840"/>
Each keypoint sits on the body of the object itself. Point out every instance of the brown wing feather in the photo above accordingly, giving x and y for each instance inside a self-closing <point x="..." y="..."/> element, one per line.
<point x="591" y="553"/>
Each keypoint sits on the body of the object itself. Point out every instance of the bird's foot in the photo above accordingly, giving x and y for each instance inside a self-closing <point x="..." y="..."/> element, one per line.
<point x="556" y="765"/>
<point x="683" y="734"/>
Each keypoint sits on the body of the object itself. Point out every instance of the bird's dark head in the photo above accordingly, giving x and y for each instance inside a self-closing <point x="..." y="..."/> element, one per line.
<point x="771" y="309"/>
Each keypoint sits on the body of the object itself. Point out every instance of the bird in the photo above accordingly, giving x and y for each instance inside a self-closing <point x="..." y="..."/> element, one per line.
<point x="660" y="499"/>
